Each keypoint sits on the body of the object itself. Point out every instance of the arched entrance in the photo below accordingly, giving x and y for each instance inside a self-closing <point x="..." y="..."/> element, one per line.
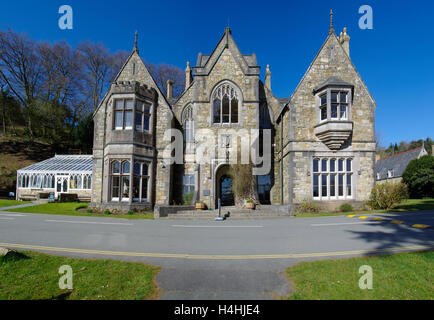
<point x="225" y="191"/>
<point x="223" y="180"/>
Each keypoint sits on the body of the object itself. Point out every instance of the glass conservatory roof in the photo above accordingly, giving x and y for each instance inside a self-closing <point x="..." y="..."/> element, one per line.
<point x="62" y="163"/>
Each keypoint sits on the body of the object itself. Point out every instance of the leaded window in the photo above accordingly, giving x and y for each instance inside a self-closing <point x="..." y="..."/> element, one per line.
<point x="225" y="102"/>
<point x="120" y="180"/>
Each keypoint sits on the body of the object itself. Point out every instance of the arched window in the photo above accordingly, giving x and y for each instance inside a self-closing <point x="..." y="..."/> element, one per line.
<point x="188" y="122"/>
<point x="120" y="180"/>
<point x="225" y="102"/>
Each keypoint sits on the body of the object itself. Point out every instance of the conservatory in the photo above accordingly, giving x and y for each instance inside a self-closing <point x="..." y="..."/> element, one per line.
<point x="71" y="174"/>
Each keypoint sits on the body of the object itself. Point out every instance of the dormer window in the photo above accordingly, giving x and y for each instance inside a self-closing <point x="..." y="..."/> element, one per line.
<point x="390" y="173"/>
<point x="333" y="104"/>
<point x="333" y="112"/>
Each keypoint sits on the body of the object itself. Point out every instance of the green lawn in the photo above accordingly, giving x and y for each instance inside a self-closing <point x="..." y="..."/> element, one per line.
<point x="406" y="205"/>
<point x="8" y="203"/>
<point x="37" y="277"/>
<point x="402" y="276"/>
<point x="72" y="209"/>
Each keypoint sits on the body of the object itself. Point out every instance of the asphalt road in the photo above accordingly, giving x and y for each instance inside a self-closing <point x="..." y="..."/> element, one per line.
<point x="233" y="259"/>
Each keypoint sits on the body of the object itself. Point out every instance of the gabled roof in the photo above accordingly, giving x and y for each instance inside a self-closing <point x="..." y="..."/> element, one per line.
<point x="133" y="53"/>
<point x="331" y="37"/>
<point x="398" y="163"/>
<point x="205" y="63"/>
<point x="62" y="164"/>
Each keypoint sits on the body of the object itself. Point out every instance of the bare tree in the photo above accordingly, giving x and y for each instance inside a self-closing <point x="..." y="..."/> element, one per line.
<point x="97" y="62"/>
<point x="163" y="72"/>
<point x="21" y="70"/>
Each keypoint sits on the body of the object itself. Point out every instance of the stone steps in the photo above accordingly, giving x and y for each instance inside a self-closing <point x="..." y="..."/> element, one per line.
<point x="235" y="214"/>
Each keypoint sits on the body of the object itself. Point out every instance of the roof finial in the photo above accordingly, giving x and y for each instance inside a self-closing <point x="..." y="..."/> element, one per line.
<point x="135" y="43"/>
<point x="331" y="30"/>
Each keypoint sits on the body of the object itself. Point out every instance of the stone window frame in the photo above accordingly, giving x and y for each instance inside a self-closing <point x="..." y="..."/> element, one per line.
<point x="135" y="98"/>
<point x="121" y="175"/>
<point x="239" y="96"/>
<point x="328" y="172"/>
<point x="187" y="118"/>
<point x="328" y="91"/>
<point x="131" y="176"/>
<point x="142" y="176"/>
<point x="144" y="112"/>
<point x="123" y="110"/>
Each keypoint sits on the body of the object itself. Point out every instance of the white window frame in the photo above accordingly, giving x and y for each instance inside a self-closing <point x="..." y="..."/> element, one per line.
<point x="328" y="173"/>
<point x="328" y="92"/>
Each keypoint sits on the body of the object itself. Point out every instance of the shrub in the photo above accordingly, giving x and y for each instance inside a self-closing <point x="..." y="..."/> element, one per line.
<point x="346" y="207"/>
<point x="249" y="201"/>
<point x="419" y="177"/>
<point x="130" y="212"/>
<point x="308" y="206"/>
<point x="188" y="198"/>
<point x="387" y="195"/>
<point x="107" y="212"/>
<point x="89" y="211"/>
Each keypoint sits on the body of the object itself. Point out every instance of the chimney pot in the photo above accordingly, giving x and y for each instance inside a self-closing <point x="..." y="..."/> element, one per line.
<point x="344" y="39"/>
<point x="188" y="76"/>
<point x="268" y="77"/>
<point x="169" y="89"/>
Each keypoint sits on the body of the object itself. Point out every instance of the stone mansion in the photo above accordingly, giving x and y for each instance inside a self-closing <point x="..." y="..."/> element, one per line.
<point x="322" y="136"/>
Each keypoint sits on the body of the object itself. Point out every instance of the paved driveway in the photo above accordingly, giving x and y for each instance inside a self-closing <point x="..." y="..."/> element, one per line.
<point x="242" y="259"/>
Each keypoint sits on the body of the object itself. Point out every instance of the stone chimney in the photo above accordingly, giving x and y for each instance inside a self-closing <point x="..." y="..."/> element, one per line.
<point x="188" y="76"/>
<point x="268" y="77"/>
<point x="169" y="89"/>
<point x="344" y="39"/>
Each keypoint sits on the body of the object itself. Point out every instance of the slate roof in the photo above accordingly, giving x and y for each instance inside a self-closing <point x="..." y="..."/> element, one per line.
<point x="333" y="81"/>
<point x="63" y="164"/>
<point x="397" y="163"/>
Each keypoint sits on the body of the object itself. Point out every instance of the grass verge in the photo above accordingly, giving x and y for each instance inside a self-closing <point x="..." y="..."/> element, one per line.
<point x="8" y="203"/>
<point x="37" y="277"/>
<point x="75" y="209"/>
<point x="405" y="206"/>
<point x="401" y="276"/>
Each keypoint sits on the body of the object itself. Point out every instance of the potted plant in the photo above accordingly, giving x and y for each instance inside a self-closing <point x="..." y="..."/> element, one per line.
<point x="200" y="205"/>
<point x="250" y="204"/>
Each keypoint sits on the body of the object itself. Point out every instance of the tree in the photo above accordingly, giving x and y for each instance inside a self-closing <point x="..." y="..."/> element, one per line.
<point x="163" y="72"/>
<point x="21" y="69"/>
<point x="419" y="176"/>
<point x="97" y="62"/>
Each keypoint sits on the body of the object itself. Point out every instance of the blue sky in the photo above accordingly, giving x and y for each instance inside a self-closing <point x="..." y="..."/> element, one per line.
<point x="395" y="59"/>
